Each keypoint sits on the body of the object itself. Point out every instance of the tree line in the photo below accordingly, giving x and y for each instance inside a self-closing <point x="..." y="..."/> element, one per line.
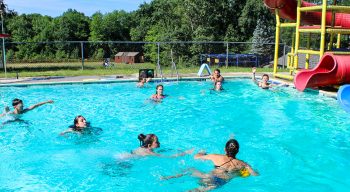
<point x="157" y="21"/>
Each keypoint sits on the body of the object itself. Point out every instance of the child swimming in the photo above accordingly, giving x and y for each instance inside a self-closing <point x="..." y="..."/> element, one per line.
<point x="19" y="107"/>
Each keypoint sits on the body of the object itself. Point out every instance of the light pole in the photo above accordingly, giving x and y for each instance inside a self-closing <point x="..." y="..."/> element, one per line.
<point x="2" y="9"/>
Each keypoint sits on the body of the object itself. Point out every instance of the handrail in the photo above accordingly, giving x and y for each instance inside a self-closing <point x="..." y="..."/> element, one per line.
<point x="173" y="66"/>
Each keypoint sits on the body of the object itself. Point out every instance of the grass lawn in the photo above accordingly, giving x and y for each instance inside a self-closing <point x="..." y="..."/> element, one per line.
<point x="96" y="68"/>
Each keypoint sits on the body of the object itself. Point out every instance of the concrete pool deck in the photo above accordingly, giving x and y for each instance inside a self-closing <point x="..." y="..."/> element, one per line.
<point x="133" y="77"/>
<point x="4" y="82"/>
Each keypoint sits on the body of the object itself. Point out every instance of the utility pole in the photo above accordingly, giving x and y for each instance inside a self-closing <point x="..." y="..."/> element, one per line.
<point x="2" y="10"/>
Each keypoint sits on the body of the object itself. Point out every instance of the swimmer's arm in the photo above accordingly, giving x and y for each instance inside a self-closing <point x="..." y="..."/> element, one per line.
<point x="253" y="77"/>
<point x="204" y="156"/>
<point x="37" y="105"/>
<point x="148" y="79"/>
<point x="6" y="110"/>
<point x="70" y="130"/>
<point x="250" y="169"/>
<point x="155" y="154"/>
<point x="282" y="85"/>
<point x="183" y="153"/>
<point x="178" y="154"/>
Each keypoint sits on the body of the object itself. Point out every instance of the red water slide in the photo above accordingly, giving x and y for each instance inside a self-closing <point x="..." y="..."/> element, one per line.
<point x="331" y="69"/>
<point x="287" y="10"/>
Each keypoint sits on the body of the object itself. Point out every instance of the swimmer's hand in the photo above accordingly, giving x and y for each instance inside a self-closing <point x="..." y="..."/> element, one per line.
<point x="190" y="151"/>
<point x="49" y="101"/>
<point x="253" y="69"/>
<point x="7" y="109"/>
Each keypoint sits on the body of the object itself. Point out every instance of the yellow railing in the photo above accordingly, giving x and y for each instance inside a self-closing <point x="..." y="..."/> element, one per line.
<point x="292" y="57"/>
<point x="336" y="8"/>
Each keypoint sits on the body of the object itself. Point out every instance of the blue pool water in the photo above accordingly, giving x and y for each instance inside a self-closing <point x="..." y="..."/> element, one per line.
<point x="297" y="141"/>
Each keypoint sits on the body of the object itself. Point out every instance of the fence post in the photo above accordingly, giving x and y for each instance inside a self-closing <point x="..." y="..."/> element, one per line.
<point x="3" y="43"/>
<point x="226" y="55"/>
<point x="158" y="62"/>
<point x="4" y="56"/>
<point x="82" y="55"/>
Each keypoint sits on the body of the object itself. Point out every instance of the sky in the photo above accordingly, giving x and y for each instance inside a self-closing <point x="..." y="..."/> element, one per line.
<point x="55" y="8"/>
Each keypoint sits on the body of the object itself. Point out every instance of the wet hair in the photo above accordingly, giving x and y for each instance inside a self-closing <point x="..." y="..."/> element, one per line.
<point x="232" y="148"/>
<point x="16" y="102"/>
<point x="218" y="70"/>
<point x="76" y="119"/>
<point x="266" y="76"/>
<point x="146" y="140"/>
<point x="142" y="75"/>
<point x="160" y="85"/>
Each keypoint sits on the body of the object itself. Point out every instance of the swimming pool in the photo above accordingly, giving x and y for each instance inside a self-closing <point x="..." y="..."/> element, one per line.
<point x="297" y="141"/>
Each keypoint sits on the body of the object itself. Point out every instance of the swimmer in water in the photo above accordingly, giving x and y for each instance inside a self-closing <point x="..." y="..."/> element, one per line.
<point x="80" y="126"/>
<point x="217" y="76"/>
<point x="218" y="86"/>
<point x="19" y="107"/>
<point x="264" y="83"/>
<point x="226" y="167"/>
<point x="158" y="96"/>
<point x="142" y="82"/>
<point x="148" y="143"/>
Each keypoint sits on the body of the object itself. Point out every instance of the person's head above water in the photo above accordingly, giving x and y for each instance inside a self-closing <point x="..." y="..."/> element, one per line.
<point x="218" y="85"/>
<point x="80" y="122"/>
<point x="232" y="148"/>
<point x="17" y="103"/>
<point x="143" y="80"/>
<point x="148" y="141"/>
<point x="265" y="78"/>
<point x="159" y="89"/>
<point x="217" y="72"/>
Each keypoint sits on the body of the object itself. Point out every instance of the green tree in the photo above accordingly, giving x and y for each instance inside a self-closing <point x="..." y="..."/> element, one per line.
<point x="263" y="36"/>
<point x="96" y="30"/>
<point x="70" y="26"/>
<point x="252" y="11"/>
<point x="31" y="28"/>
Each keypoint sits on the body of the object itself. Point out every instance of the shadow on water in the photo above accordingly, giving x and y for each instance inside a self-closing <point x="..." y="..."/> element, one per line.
<point x="119" y="168"/>
<point x="16" y="121"/>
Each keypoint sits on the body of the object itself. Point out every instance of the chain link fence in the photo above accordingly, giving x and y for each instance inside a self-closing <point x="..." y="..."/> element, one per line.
<point x="129" y="57"/>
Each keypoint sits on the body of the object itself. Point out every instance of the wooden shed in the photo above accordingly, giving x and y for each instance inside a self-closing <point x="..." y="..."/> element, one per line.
<point x="129" y="57"/>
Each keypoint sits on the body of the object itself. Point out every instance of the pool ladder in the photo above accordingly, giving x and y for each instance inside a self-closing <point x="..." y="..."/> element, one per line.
<point x="173" y="67"/>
